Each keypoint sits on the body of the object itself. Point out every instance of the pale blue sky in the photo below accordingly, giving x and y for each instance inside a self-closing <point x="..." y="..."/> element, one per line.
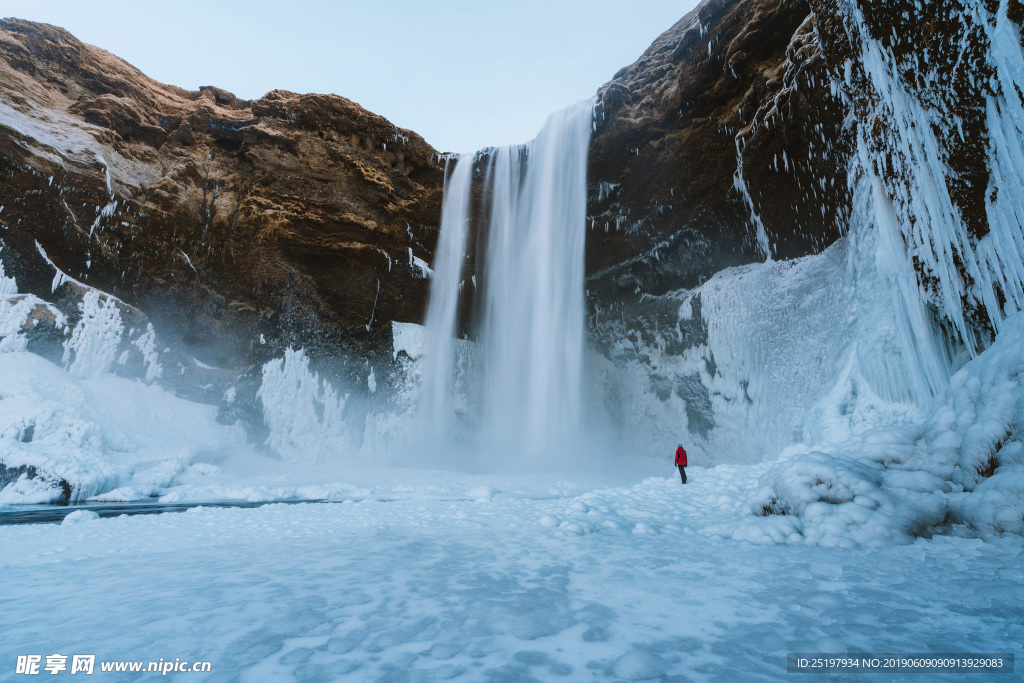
<point x="463" y="73"/>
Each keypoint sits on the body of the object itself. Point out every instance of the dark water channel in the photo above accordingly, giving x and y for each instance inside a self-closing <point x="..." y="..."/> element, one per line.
<point x="48" y="514"/>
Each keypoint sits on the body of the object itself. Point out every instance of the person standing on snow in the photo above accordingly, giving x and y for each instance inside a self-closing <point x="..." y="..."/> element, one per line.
<point x="681" y="461"/>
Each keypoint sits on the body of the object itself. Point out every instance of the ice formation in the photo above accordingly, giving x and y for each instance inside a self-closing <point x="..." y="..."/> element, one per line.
<point x="69" y="433"/>
<point x="92" y="348"/>
<point x="885" y="475"/>
<point x="16" y="310"/>
<point x="835" y="366"/>
<point x="960" y="470"/>
<point x="965" y="269"/>
<point x="69" y="438"/>
<point x="303" y="412"/>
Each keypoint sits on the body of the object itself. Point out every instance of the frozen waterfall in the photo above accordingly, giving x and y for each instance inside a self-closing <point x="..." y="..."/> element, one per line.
<point x="530" y="309"/>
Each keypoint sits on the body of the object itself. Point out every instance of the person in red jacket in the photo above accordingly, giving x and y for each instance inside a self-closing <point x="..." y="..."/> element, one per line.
<point x="681" y="461"/>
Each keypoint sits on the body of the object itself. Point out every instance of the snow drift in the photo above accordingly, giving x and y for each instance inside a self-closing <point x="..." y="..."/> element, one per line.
<point x="960" y="471"/>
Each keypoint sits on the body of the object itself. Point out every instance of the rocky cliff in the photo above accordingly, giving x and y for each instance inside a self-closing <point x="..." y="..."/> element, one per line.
<point x="732" y="139"/>
<point x="801" y="197"/>
<point x="723" y="144"/>
<point x="237" y="228"/>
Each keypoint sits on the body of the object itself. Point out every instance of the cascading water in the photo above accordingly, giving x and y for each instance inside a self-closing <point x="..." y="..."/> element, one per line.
<point x="531" y="336"/>
<point x="436" y="401"/>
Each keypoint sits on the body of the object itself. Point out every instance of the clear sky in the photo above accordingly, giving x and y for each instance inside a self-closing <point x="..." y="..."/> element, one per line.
<point x="464" y="74"/>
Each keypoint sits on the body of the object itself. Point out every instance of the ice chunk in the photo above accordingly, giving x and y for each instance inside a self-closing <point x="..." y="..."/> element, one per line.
<point x="79" y="516"/>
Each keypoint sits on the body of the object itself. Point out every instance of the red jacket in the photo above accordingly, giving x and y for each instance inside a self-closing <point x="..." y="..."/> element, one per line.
<point x="681" y="456"/>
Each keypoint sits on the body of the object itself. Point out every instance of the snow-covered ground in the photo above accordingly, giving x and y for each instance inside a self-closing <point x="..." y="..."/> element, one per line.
<point x="891" y="535"/>
<point x="533" y="581"/>
<point x="598" y="573"/>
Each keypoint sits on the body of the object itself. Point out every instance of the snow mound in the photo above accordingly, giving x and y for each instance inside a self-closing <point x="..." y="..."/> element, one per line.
<point x="961" y="470"/>
<point x="79" y="516"/>
<point x="125" y="494"/>
<point x="481" y="494"/>
<point x="75" y="438"/>
<point x="637" y="665"/>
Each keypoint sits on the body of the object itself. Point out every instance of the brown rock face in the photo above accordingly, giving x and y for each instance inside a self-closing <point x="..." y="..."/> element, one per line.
<point x="292" y="216"/>
<point x="721" y="143"/>
<point x="739" y="133"/>
<point x="759" y="128"/>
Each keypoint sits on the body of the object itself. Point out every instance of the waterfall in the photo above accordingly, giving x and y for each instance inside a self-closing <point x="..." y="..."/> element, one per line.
<point x="531" y="312"/>
<point x="436" y="401"/>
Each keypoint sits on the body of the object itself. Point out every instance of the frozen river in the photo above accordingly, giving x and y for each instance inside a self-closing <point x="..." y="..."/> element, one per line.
<point x="442" y="582"/>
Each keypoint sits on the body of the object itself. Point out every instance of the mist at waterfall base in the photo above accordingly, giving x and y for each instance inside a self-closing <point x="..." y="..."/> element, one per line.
<point x="513" y="399"/>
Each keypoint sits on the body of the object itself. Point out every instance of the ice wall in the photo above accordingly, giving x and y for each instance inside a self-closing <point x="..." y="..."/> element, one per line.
<point x="304" y="413"/>
<point x="958" y="470"/>
<point x="762" y="357"/>
<point x="973" y="275"/>
<point x="73" y="429"/>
